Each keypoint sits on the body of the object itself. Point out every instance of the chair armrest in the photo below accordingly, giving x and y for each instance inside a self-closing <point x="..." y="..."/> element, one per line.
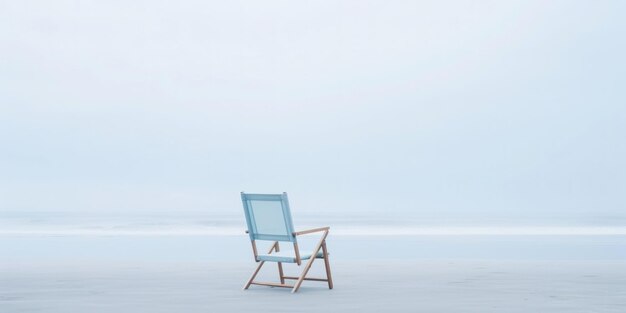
<point x="308" y="231"/>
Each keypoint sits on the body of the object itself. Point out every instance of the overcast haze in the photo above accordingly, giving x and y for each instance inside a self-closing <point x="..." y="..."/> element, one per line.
<point x="441" y="109"/>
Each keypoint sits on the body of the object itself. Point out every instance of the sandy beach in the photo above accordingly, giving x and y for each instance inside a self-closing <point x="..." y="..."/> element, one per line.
<point x="418" y="286"/>
<point x="200" y="279"/>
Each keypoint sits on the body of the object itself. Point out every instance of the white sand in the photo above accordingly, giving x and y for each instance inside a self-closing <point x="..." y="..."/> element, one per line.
<point x="365" y="286"/>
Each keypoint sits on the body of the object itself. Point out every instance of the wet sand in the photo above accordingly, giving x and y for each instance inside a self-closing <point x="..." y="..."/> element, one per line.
<point x="360" y="286"/>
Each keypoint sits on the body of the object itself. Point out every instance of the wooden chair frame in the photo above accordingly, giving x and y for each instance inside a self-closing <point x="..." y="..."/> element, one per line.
<point x="320" y="246"/>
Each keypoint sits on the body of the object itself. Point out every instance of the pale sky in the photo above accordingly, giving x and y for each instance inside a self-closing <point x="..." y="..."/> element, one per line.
<point x="439" y="109"/>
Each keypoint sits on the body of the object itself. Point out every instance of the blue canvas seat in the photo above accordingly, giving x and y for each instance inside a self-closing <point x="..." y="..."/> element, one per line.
<point x="268" y="217"/>
<point x="287" y="256"/>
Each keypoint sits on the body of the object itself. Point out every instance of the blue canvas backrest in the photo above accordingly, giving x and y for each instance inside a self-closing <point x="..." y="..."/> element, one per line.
<point x="268" y="217"/>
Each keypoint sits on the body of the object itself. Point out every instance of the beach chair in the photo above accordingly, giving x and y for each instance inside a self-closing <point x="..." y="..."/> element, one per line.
<point x="268" y="218"/>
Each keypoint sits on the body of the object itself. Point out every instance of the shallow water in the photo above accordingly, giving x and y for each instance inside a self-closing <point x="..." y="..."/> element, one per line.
<point x="64" y="236"/>
<point x="37" y="248"/>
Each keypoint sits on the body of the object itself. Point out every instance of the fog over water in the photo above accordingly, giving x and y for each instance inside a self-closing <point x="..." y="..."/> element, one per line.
<point x="442" y="113"/>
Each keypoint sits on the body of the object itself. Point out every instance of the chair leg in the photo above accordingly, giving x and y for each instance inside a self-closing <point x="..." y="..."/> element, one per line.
<point x="327" y="266"/>
<point x="280" y="273"/>
<point x="307" y="267"/>
<point x="296" y="286"/>
<point x="258" y="268"/>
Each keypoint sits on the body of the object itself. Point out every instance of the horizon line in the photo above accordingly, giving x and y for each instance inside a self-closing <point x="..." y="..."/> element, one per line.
<point x="338" y="231"/>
